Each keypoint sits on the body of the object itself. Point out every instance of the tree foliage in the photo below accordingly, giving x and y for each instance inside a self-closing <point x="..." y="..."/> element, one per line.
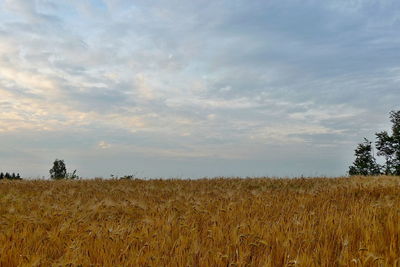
<point x="59" y="171"/>
<point x="387" y="145"/>
<point x="72" y="175"/>
<point x="10" y="176"/>
<point x="365" y="163"/>
<point x="395" y="119"/>
<point x="384" y="145"/>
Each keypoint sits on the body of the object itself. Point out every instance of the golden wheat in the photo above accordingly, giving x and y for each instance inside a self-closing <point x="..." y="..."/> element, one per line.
<point x="208" y="222"/>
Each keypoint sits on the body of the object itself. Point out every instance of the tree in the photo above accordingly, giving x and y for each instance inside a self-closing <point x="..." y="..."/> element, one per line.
<point x="389" y="146"/>
<point x="365" y="163"/>
<point x="72" y="175"/>
<point x="384" y="145"/>
<point x="9" y="176"/>
<point x="59" y="171"/>
<point x="395" y="119"/>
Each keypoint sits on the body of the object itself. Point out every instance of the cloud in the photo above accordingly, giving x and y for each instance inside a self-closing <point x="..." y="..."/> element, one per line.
<point x="23" y="7"/>
<point x="176" y="80"/>
<point x="103" y="145"/>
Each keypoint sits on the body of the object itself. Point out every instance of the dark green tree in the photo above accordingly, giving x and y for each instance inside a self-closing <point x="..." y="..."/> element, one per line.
<point x="395" y="119"/>
<point x="59" y="171"/>
<point x="365" y="163"/>
<point x="1" y="175"/>
<point x="384" y="145"/>
<point x="388" y="146"/>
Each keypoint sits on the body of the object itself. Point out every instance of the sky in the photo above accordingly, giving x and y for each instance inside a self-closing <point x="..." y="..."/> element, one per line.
<point x="189" y="89"/>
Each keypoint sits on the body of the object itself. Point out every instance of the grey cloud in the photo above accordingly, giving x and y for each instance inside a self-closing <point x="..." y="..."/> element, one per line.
<point x="201" y="80"/>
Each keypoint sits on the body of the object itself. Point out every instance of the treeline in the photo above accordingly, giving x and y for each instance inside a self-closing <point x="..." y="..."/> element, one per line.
<point x="10" y="176"/>
<point x="387" y="146"/>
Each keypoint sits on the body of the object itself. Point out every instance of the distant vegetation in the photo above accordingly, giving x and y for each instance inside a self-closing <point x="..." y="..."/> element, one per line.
<point x="10" y="176"/>
<point x="387" y="145"/>
<point x="216" y="222"/>
<point x="59" y="171"/>
<point x="124" y="177"/>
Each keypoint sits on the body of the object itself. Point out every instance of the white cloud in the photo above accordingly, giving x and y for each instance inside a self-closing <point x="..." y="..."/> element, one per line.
<point x="144" y="89"/>
<point x="103" y="145"/>
<point x="198" y="80"/>
<point x="23" y="7"/>
<point x="210" y="103"/>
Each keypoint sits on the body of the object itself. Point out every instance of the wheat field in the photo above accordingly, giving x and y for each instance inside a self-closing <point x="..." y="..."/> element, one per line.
<point x="207" y="222"/>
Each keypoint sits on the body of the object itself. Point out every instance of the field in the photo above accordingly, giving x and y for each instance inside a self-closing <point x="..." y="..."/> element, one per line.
<point x="207" y="222"/>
